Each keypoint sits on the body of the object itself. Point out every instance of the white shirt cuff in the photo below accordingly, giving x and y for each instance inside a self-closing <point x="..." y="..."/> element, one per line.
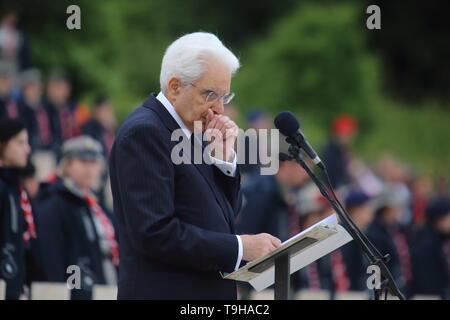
<point x="240" y="253"/>
<point x="227" y="168"/>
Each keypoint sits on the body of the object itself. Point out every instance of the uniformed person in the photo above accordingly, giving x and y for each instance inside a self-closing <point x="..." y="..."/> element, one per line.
<point x="389" y="237"/>
<point x="8" y="100"/>
<point x="18" y="257"/>
<point x="76" y="231"/>
<point x="431" y="251"/>
<point x="360" y="208"/>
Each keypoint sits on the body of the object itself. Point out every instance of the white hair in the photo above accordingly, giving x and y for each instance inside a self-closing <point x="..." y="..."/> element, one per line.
<point x="187" y="57"/>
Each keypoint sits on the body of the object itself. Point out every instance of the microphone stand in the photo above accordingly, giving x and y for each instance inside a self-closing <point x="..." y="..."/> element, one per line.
<point x="372" y="254"/>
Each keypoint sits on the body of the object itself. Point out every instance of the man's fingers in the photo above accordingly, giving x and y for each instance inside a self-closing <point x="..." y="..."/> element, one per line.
<point x="220" y="125"/>
<point x="229" y="128"/>
<point x="224" y="124"/>
<point x="212" y="122"/>
<point x="210" y="115"/>
<point x="275" y="241"/>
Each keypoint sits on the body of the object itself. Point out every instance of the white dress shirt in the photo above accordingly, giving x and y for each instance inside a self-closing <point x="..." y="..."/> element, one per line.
<point x="228" y="168"/>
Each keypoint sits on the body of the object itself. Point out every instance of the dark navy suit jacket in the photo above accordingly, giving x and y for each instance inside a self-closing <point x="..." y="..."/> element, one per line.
<point x="175" y="222"/>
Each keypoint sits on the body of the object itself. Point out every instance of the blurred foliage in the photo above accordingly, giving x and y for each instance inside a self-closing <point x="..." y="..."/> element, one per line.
<point x="313" y="57"/>
<point x="419" y="136"/>
<point x="314" y="62"/>
<point x="121" y="43"/>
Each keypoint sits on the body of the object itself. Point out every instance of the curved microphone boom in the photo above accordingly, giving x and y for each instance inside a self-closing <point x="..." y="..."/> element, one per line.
<point x="289" y="126"/>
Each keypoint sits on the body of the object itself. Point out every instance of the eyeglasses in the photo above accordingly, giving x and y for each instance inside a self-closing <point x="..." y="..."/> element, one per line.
<point x="212" y="96"/>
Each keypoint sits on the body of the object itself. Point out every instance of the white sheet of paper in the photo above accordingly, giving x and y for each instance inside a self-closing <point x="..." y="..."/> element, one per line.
<point x="311" y="254"/>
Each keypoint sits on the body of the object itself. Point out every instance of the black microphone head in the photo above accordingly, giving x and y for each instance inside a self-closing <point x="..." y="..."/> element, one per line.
<point x="287" y="123"/>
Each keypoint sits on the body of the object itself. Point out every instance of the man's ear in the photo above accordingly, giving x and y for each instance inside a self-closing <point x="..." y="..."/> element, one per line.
<point x="173" y="87"/>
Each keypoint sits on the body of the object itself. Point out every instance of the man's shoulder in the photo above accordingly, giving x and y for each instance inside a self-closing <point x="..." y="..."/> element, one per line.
<point x="143" y="117"/>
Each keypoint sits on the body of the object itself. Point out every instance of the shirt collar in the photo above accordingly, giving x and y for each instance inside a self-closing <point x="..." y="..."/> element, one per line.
<point x="170" y="108"/>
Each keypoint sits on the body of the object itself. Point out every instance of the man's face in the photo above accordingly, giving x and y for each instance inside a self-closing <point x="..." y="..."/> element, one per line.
<point x="190" y="101"/>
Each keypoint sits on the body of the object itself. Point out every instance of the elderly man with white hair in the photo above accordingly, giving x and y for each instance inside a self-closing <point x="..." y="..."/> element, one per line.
<point x="176" y="220"/>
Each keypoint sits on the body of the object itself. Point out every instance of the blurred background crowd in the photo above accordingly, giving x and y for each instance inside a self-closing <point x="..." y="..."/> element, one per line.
<point x="375" y="104"/>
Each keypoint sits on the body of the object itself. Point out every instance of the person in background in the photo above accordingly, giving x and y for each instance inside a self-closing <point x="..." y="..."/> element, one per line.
<point x="421" y="188"/>
<point x="313" y="207"/>
<point x="329" y="272"/>
<point x="61" y="110"/>
<point x="18" y="251"/>
<point x="8" y="103"/>
<point x="360" y="208"/>
<point x="35" y="115"/>
<point x="396" y="174"/>
<point x="337" y="154"/>
<point x="13" y="45"/>
<point x="390" y="237"/>
<point x="30" y="181"/>
<point x="74" y="228"/>
<point x="269" y="206"/>
<point x="101" y="126"/>
<point x="431" y="251"/>
<point x="258" y="121"/>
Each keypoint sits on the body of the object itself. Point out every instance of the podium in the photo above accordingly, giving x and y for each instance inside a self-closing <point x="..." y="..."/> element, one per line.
<point x="2" y="289"/>
<point x="295" y="253"/>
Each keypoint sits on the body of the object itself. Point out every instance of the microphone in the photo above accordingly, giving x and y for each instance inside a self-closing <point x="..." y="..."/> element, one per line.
<point x="284" y="157"/>
<point x="289" y="126"/>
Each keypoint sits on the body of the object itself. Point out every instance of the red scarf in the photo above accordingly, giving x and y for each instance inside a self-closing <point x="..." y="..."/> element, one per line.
<point x="403" y="252"/>
<point x="107" y="226"/>
<point x="313" y="276"/>
<point x="11" y="107"/>
<point x="108" y="138"/>
<point x="44" y="126"/>
<point x="30" y="232"/>
<point x="339" y="271"/>
<point x="69" y="127"/>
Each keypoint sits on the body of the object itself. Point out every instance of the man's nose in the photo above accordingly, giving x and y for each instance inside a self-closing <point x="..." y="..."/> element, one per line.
<point x="218" y="107"/>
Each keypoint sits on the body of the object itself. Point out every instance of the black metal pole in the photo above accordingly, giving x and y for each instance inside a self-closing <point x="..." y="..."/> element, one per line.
<point x="372" y="255"/>
<point x="282" y="277"/>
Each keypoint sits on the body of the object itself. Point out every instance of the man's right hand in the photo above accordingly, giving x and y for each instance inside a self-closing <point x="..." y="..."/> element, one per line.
<point x="258" y="245"/>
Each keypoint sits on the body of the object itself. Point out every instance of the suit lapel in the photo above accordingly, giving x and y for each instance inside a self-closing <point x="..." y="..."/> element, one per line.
<point x="205" y="170"/>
